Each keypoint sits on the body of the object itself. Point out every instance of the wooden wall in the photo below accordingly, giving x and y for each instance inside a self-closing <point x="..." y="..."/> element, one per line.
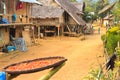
<point x="11" y="9"/>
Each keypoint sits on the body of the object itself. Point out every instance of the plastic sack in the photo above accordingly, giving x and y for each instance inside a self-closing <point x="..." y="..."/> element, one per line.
<point x="2" y="76"/>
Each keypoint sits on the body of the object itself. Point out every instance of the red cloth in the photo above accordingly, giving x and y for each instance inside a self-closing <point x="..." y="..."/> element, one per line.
<point x="19" y="5"/>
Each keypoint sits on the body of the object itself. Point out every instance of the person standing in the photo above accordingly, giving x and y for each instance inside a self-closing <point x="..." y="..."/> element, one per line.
<point x="98" y="30"/>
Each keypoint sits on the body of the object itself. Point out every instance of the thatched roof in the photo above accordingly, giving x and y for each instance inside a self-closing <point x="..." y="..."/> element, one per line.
<point x="44" y="2"/>
<point x="109" y="17"/>
<point x="78" y="5"/>
<point x="107" y="8"/>
<point x="46" y="12"/>
<point x="71" y="10"/>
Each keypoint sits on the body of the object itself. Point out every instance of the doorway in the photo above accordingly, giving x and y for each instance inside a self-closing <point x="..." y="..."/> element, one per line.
<point x="12" y="33"/>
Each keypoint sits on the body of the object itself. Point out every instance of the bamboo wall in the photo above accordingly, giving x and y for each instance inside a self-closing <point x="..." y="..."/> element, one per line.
<point x="72" y="21"/>
<point x="48" y="22"/>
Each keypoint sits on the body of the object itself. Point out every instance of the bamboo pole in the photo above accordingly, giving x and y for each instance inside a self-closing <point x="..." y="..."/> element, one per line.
<point x="68" y="28"/>
<point x="118" y="45"/>
<point x="51" y="73"/>
<point x="99" y="74"/>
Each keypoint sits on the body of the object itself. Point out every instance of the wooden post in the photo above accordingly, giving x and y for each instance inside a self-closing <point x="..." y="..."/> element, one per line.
<point x="38" y="31"/>
<point x="62" y="30"/>
<point x="26" y="13"/>
<point x="58" y="30"/>
<point x="31" y="12"/>
<point x="32" y="27"/>
<point x="14" y="6"/>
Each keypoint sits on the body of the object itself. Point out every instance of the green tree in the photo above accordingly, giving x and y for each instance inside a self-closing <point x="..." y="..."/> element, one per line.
<point x="116" y="12"/>
<point x="89" y="8"/>
<point x="90" y="5"/>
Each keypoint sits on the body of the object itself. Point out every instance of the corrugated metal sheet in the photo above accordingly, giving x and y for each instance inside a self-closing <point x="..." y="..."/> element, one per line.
<point x="31" y="1"/>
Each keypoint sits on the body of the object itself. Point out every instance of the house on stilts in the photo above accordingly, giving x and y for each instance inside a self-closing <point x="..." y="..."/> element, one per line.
<point x="14" y="20"/>
<point x="58" y="17"/>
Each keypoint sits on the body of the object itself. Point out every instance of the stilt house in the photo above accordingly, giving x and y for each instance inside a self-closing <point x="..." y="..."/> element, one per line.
<point x="58" y="17"/>
<point x="14" y="18"/>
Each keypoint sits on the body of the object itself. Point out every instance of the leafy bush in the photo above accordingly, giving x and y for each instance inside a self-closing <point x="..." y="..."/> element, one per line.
<point x="103" y="37"/>
<point x="114" y="29"/>
<point x="93" y="75"/>
<point x="111" y="43"/>
<point x="112" y="37"/>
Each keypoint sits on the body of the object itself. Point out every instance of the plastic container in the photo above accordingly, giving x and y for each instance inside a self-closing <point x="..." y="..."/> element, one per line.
<point x="2" y="76"/>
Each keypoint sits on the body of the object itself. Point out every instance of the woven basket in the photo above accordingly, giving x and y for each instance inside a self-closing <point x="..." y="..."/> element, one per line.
<point x="62" y="60"/>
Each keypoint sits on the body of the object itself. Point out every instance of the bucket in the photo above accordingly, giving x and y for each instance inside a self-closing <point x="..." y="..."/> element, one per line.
<point x="2" y="76"/>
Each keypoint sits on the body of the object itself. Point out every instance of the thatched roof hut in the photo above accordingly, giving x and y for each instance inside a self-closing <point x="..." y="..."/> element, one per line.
<point x="47" y="11"/>
<point x="58" y="13"/>
<point x="107" y="8"/>
<point x="72" y="11"/>
<point x="109" y="17"/>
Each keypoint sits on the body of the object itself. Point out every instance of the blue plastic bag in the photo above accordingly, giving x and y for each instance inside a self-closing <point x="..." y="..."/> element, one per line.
<point x="4" y="21"/>
<point x="11" y="48"/>
<point x="2" y="76"/>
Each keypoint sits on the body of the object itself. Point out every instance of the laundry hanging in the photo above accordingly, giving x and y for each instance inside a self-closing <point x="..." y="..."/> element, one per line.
<point x="19" y="5"/>
<point x="3" y="6"/>
<point x="14" y="17"/>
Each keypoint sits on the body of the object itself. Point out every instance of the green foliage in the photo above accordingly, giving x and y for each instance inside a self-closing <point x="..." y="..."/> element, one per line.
<point x="88" y="17"/>
<point x="116" y="12"/>
<point x="114" y="29"/>
<point x="103" y="37"/>
<point x="92" y="75"/>
<point x="90" y="5"/>
<point x="112" y="37"/>
<point x="111" y="42"/>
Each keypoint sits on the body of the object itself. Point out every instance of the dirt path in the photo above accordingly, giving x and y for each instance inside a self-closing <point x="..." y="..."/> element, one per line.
<point x="81" y="55"/>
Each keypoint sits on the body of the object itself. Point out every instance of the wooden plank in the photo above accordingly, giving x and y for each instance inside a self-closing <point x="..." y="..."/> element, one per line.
<point x="15" y="24"/>
<point x="68" y="28"/>
<point x="1" y="14"/>
<point x="50" y="31"/>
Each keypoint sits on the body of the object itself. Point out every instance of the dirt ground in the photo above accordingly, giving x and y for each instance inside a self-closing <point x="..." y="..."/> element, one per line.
<point x="82" y="56"/>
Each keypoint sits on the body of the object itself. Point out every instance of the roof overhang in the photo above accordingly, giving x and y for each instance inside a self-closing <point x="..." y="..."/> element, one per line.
<point x="31" y="1"/>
